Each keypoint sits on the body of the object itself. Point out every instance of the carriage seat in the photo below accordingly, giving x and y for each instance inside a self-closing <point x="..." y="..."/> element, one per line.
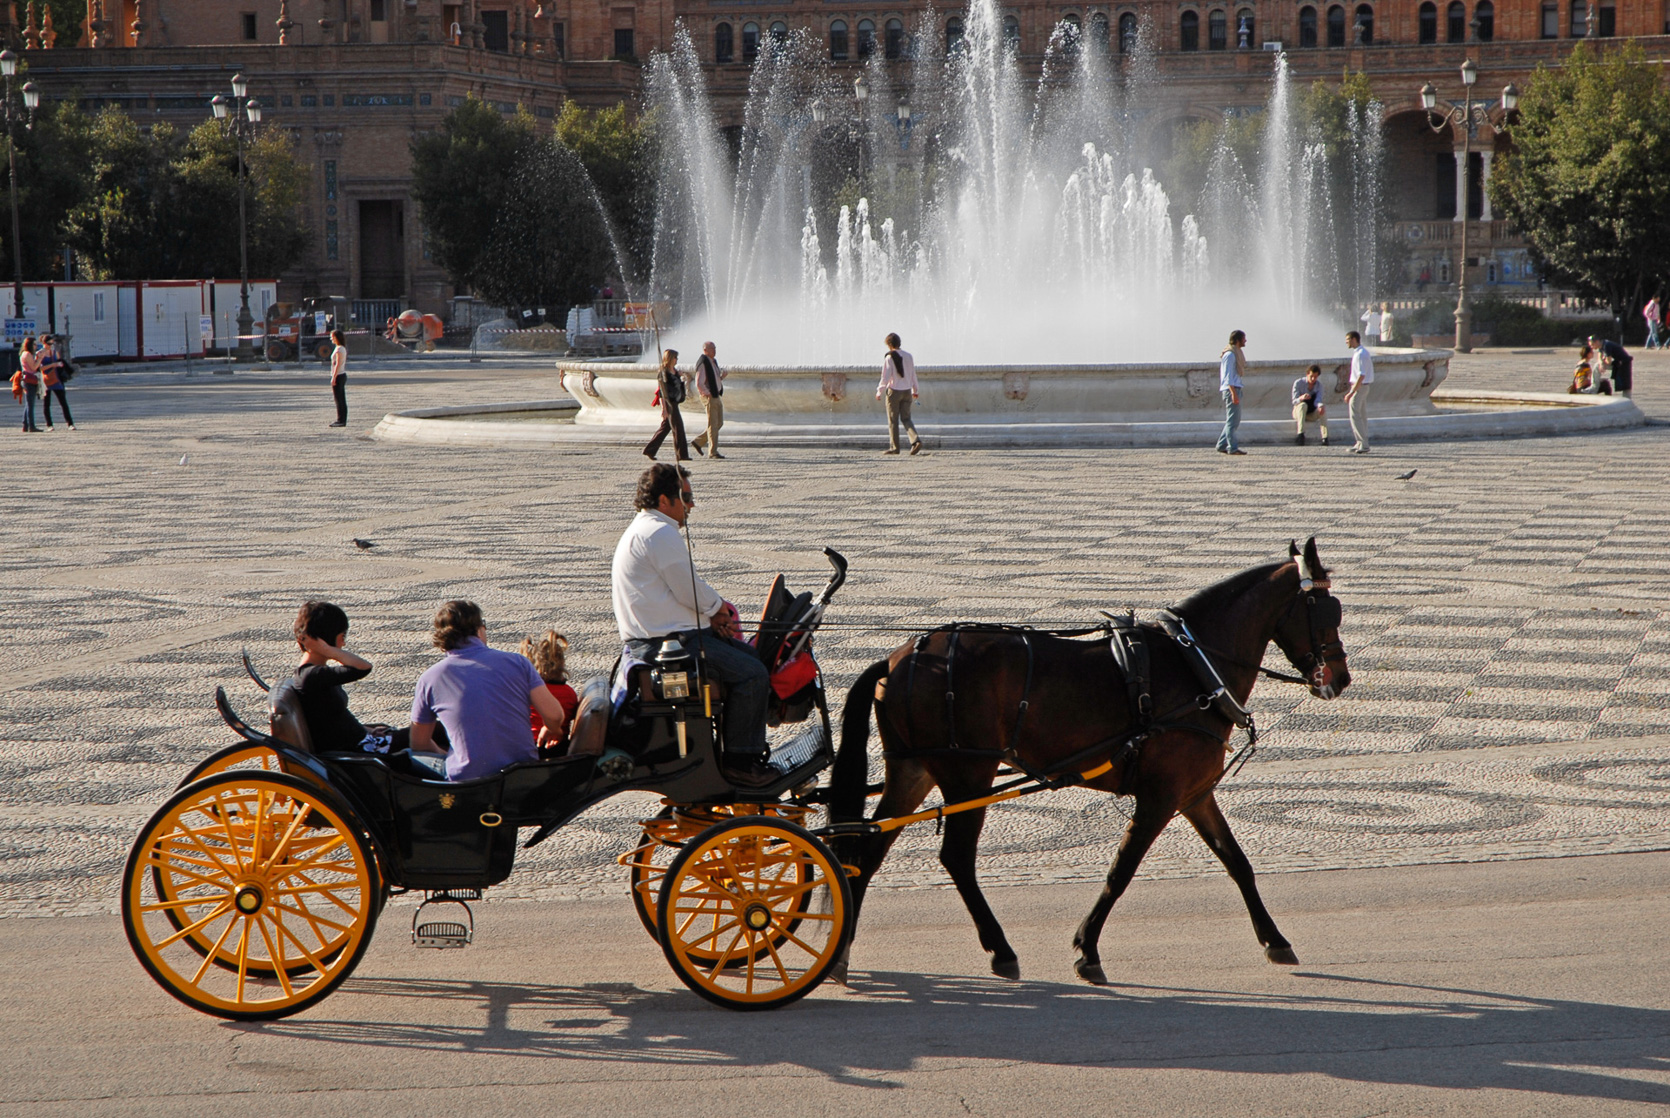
<point x="285" y="717"/>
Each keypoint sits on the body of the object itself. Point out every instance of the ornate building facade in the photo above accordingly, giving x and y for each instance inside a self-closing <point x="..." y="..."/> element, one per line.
<point x="354" y="80"/>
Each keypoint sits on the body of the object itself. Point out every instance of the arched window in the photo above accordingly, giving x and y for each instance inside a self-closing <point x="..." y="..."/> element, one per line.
<point x="866" y="38"/>
<point x="953" y="34"/>
<point x="779" y="31"/>
<point x="1244" y="29"/>
<point x="722" y="44"/>
<point x="1336" y="26"/>
<point x="1455" y="19"/>
<point x="1012" y="33"/>
<point x="1099" y="31"/>
<point x="1127" y="33"/>
<point x="1485" y="13"/>
<point x="1429" y="22"/>
<point x="1307" y="26"/>
<point x="894" y="43"/>
<point x="1579" y="19"/>
<point x="838" y="40"/>
<point x="1190" y="28"/>
<point x="1365" y="24"/>
<point x="750" y="42"/>
<point x="1217" y="31"/>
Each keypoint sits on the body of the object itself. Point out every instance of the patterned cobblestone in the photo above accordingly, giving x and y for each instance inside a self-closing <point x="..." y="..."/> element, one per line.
<point x="1507" y="609"/>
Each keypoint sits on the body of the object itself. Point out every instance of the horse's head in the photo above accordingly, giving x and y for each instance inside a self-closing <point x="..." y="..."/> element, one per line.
<point x="1308" y="631"/>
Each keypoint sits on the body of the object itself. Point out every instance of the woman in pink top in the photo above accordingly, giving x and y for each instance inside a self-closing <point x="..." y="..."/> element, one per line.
<point x="30" y="364"/>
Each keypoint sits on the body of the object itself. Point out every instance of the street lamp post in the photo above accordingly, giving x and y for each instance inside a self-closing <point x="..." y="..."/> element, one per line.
<point x="1465" y="116"/>
<point x="244" y="116"/>
<point x="31" y="100"/>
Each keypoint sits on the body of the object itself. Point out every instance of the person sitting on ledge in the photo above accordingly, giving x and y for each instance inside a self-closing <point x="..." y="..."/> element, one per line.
<point x="482" y="697"/>
<point x="1584" y="381"/>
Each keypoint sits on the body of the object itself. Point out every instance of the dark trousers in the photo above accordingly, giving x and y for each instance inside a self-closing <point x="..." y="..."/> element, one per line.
<point x="1623" y="374"/>
<point x="30" y="391"/>
<point x="339" y="389"/>
<point x="672" y="421"/>
<point x="63" y="402"/>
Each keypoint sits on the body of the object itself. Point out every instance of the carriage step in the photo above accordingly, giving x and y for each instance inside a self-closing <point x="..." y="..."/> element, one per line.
<point x="441" y="935"/>
<point x="446" y="933"/>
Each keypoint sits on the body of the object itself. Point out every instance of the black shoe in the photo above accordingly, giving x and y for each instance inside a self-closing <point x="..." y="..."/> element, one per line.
<point x="698" y="450"/>
<point x="1324" y="440"/>
<point x="749" y="772"/>
<point x="716" y="454"/>
<point x="339" y="423"/>
<point x="1299" y="439"/>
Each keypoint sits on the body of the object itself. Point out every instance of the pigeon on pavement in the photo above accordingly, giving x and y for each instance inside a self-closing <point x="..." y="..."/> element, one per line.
<point x="363" y="545"/>
<point x="1407" y="476"/>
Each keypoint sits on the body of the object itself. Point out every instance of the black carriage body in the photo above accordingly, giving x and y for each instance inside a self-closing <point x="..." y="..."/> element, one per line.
<point x="440" y="834"/>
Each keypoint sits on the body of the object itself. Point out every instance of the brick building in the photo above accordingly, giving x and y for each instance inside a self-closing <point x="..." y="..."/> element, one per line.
<point x="354" y="80"/>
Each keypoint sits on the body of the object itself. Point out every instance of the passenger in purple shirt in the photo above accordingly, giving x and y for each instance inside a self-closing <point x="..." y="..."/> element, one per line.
<point x="482" y="696"/>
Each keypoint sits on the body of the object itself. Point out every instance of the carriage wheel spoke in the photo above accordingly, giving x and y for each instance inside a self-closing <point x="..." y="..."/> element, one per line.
<point x="313" y="960"/>
<point x="190" y="928"/>
<point x="243" y="958"/>
<point x="213" y="951"/>
<point x="277" y="957"/>
<point x="778" y="961"/>
<point x="283" y="846"/>
<point x="724" y="957"/>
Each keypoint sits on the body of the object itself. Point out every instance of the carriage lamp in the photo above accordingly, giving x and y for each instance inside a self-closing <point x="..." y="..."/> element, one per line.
<point x="861" y="89"/>
<point x="1469" y="72"/>
<point x="1510" y="97"/>
<point x="254" y="111"/>
<point x="218" y="104"/>
<point x="8" y="63"/>
<point x="1429" y="97"/>
<point x="818" y="112"/>
<point x="239" y="86"/>
<point x="904" y="112"/>
<point x="31" y="96"/>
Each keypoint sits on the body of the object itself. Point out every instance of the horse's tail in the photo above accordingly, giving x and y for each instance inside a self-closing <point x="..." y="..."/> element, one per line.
<point x="850" y="777"/>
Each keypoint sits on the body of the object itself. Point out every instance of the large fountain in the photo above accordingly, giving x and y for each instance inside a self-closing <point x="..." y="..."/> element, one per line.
<point x="1014" y="233"/>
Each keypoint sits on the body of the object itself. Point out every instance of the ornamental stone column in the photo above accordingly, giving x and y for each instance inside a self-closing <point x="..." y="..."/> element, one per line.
<point x="1460" y="184"/>
<point x="1485" y="157"/>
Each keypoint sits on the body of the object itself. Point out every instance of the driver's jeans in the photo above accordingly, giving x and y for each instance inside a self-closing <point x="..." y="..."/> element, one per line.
<point x="736" y="665"/>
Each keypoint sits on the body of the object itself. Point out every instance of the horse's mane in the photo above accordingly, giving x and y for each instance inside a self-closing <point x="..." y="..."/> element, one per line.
<point x="1211" y="599"/>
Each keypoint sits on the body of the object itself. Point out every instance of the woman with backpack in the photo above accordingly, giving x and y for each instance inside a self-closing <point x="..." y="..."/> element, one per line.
<point x="669" y="393"/>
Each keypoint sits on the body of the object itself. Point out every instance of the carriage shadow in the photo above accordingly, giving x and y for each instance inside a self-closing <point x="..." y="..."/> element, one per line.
<point x="1346" y="1028"/>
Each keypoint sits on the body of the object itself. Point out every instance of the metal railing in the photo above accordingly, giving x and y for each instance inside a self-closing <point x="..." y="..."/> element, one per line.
<point x="374" y="312"/>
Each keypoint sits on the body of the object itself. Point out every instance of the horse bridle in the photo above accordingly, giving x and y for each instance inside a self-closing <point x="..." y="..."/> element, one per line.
<point x="1322" y="611"/>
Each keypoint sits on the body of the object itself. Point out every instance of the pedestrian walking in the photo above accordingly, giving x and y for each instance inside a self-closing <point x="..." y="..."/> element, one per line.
<point x="29" y="372"/>
<point x="1232" y="369"/>
<point x="1386" y="324"/>
<point x="1618" y="361"/>
<point x="899" y="388"/>
<point x="710" y="383"/>
<point x="1654" y="314"/>
<point x="1371" y="324"/>
<point x="54" y="369"/>
<point x="669" y="393"/>
<point x="1356" y="396"/>
<point x="339" y="378"/>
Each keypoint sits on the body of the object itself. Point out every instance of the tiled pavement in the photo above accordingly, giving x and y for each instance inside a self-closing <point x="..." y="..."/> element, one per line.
<point x="1507" y="609"/>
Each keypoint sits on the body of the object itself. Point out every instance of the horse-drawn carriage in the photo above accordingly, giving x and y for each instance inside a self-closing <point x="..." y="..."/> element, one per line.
<point x="254" y="891"/>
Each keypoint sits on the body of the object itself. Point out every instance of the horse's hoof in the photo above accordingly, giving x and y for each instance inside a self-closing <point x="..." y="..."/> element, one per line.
<point x="1007" y="968"/>
<point x="1091" y="972"/>
<point x="1282" y="955"/>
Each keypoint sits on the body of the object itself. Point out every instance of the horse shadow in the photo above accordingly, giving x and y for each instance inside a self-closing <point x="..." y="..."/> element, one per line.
<point x="1346" y="1028"/>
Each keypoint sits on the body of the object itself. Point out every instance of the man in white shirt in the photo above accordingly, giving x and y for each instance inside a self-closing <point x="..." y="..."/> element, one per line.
<point x="657" y="594"/>
<point x="1356" y="397"/>
<point x="898" y="383"/>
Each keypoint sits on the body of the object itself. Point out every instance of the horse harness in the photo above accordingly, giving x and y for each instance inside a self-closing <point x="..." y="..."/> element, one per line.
<point x="1128" y="643"/>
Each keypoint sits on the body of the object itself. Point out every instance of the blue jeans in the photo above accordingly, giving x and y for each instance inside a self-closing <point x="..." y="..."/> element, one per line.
<point x="738" y="666"/>
<point x="1232" y="420"/>
<point x="30" y="391"/>
<point x="1653" y="341"/>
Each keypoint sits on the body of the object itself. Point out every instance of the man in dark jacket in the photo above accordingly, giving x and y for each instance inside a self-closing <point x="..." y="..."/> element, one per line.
<point x="1619" y="361"/>
<point x="710" y="383"/>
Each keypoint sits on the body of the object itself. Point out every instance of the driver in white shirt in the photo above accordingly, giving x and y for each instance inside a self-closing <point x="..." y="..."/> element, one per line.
<point x="657" y="594"/>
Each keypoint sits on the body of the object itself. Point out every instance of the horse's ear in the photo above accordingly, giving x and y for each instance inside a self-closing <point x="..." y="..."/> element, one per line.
<point x="1313" y="561"/>
<point x="1292" y="549"/>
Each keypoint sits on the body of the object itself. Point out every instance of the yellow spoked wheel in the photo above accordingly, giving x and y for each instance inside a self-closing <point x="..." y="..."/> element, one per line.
<point x="244" y="755"/>
<point x="250" y="895"/>
<point x="754" y="912"/>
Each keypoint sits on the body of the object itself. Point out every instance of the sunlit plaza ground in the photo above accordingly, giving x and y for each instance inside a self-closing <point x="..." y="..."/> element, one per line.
<point x="1507" y="613"/>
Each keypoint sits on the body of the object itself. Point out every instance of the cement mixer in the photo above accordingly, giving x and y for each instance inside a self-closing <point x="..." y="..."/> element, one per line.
<point x="415" y="329"/>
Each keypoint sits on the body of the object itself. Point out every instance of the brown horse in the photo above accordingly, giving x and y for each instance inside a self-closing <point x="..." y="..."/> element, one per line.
<point x="956" y="703"/>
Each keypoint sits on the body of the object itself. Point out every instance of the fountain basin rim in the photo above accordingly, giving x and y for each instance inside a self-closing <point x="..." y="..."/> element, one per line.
<point x="1399" y="355"/>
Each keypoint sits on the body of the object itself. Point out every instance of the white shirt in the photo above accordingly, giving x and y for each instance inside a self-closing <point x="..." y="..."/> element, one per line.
<point x="1371" y="323"/>
<point x="891" y="381"/>
<point x="1229" y="369"/>
<point x="1386" y="327"/>
<point x="339" y="361"/>
<point x="1362" y="366"/>
<point x="655" y="589"/>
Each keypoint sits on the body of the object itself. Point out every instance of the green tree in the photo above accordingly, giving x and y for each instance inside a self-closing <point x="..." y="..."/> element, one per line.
<point x="1588" y="179"/>
<point x="618" y="153"/>
<point x="461" y="175"/>
<point x="118" y="226"/>
<point x="207" y="202"/>
<point x="549" y="246"/>
<point x="52" y="159"/>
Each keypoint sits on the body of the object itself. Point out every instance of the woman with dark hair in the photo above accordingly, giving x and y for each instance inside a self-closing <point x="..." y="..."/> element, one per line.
<point x="29" y="372"/>
<point x="339" y="378"/>
<point x="669" y="393"/>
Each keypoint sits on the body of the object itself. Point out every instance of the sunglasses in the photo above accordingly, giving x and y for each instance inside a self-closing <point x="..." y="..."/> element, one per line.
<point x="688" y="498"/>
